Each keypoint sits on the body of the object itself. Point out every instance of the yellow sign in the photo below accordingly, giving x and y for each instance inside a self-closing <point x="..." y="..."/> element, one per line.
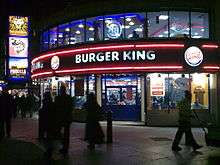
<point x="18" y="25"/>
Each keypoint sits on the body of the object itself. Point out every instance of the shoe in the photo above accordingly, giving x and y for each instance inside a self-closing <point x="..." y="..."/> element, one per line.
<point x="196" y="147"/>
<point x="176" y="148"/>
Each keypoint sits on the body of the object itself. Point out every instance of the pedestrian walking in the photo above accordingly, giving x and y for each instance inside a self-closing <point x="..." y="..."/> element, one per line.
<point x="6" y="111"/>
<point x="43" y="120"/>
<point x="184" y="107"/>
<point x="93" y="131"/>
<point x="64" y="107"/>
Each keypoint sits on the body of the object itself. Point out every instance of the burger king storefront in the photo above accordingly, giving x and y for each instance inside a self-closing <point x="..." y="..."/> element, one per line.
<point x="136" y="80"/>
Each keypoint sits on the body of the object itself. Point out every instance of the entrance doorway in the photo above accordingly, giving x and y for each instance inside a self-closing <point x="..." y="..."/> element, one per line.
<point x="122" y="98"/>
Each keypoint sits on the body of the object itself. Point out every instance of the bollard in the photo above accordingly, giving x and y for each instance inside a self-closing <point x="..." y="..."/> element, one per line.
<point x="109" y="127"/>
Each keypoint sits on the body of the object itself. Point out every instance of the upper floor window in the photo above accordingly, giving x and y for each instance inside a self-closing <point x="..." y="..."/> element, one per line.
<point x="199" y="25"/>
<point x="134" y="25"/>
<point x="179" y="24"/>
<point x="44" y="41"/>
<point x="94" y="29"/>
<point x="53" y="38"/>
<point x="157" y="24"/>
<point x="77" y="29"/>
<point x="63" y="34"/>
<point x="162" y="24"/>
<point x="114" y="27"/>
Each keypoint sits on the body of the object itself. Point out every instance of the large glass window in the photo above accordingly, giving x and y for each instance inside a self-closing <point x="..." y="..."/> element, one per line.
<point x="134" y="25"/>
<point x="177" y="84"/>
<point x="157" y="24"/>
<point x="162" y="24"/>
<point x="200" y="88"/>
<point x="166" y="90"/>
<point x="53" y="38"/>
<point x="77" y="29"/>
<point x="179" y="24"/>
<point x="94" y="29"/>
<point x="199" y="25"/>
<point x="114" y="27"/>
<point x="63" y="34"/>
<point x="45" y="41"/>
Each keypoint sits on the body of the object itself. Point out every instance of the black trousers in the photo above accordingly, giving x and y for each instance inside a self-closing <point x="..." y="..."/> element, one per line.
<point x="66" y="137"/>
<point x="188" y="134"/>
<point x="5" y="124"/>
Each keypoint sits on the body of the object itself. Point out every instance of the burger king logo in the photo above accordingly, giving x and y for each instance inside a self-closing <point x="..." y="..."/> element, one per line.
<point x="55" y="62"/>
<point x="193" y="56"/>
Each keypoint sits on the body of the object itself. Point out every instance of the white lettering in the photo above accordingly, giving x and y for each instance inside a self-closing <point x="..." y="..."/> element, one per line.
<point x="78" y="58"/>
<point x="91" y="57"/>
<point x="141" y="54"/>
<point x="151" y="55"/>
<point x="100" y="57"/>
<point x="115" y="56"/>
<point x="126" y="55"/>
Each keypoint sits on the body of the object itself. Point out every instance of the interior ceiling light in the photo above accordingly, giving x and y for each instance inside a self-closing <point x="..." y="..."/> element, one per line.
<point x="91" y="28"/>
<point x="128" y="19"/>
<point x="77" y="32"/>
<point x="67" y="29"/>
<point x="163" y="17"/>
<point x="138" y="30"/>
<point x="80" y="25"/>
<point x="131" y="23"/>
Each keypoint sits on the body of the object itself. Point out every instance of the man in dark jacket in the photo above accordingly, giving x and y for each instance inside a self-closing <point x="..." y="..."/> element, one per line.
<point x="184" y="107"/>
<point x="64" y="105"/>
<point x="6" y="110"/>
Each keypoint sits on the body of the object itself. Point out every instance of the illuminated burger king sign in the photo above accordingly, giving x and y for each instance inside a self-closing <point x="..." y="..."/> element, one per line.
<point x="193" y="56"/>
<point x="55" y="62"/>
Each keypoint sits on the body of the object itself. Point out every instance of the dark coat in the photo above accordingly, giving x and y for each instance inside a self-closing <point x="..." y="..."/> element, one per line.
<point x="93" y="132"/>
<point x="6" y="106"/>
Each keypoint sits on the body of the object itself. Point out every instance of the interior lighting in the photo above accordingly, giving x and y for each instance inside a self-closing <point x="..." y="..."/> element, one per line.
<point x="77" y="32"/>
<point x="130" y="35"/>
<point x="108" y="21"/>
<point x="60" y="35"/>
<point x="165" y="32"/>
<point x="128" y="19"/>
<point x="127" y="27"/>
<point x="163" y="17"/>
<point x="91" y="28"/>
<point x="91" y="39"/>
<point x="197" y="36"/>
<point x="202" y="30"/>
<point x="80" y="25"/>
<point x="67" y="29"/>
<point x="199" y="79"/>
<point x="138" y="29"/>
<point x="131" y="23"/>
<point x="72" y="38"/>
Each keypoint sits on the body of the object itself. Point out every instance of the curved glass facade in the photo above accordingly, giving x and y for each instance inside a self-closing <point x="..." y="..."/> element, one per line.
<point x="128" y="26"/>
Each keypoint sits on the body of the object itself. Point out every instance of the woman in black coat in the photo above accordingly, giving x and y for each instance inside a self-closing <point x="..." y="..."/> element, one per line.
<point x="44" y="115"/>
<point x="93" y="134"/>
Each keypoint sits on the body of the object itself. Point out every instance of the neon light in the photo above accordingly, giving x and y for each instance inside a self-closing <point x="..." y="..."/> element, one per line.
<point x="209" y="46"/>
<point x="119" y="68"/>
<point x="112" y="47"/>
<point x="211" y="67"/>
<point x="41" y="74"/>
<point x="160" y="46"/>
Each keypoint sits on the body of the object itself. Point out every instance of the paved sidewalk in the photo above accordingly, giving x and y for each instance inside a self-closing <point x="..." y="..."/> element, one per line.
<point x="132" y="145"/>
